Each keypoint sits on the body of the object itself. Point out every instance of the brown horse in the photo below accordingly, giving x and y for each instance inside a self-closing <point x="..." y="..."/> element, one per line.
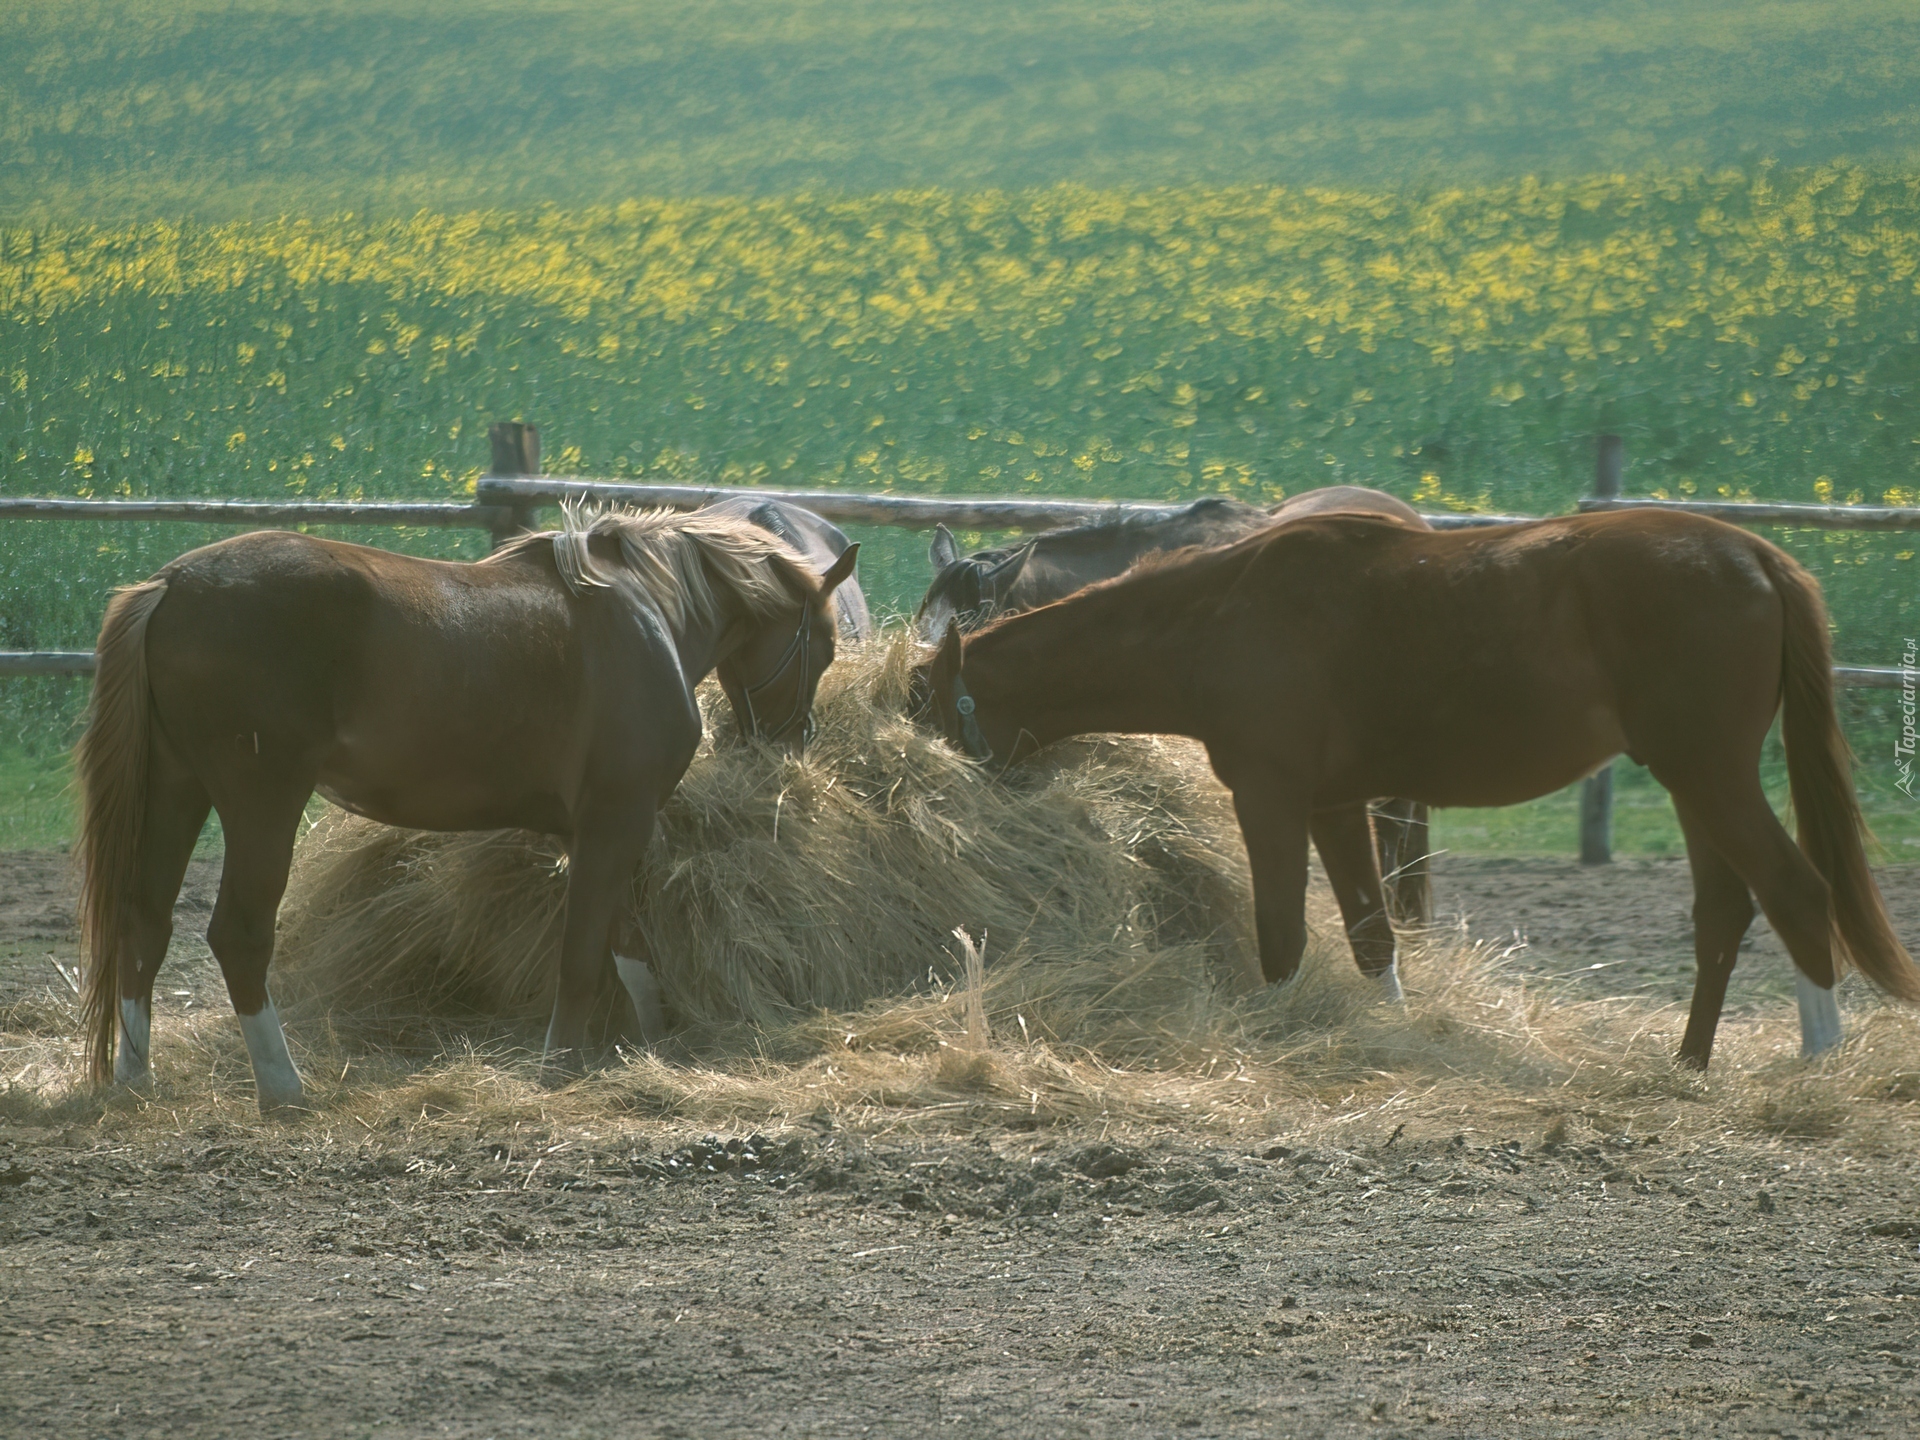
<point x="977" y="588"/>
<point x="548" y="687"/>
<point x="1341" y="657"/>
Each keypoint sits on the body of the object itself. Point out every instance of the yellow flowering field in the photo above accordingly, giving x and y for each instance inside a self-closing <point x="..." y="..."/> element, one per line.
<point x="1751" y="334"/>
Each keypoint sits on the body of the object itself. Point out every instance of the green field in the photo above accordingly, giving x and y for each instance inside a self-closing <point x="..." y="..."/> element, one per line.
<point x="1750" y="335"/>
<point x="114" y="109"/>
<point x="1119" y="251"/>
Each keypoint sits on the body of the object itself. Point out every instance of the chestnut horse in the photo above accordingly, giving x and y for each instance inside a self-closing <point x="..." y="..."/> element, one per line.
<point x="976" y="588"/>
<point x="1341" y="657"/>
<point x="549" y="687"/>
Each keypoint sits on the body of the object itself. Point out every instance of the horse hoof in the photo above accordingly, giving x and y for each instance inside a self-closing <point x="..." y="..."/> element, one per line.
<point x="1387" y="985"/>
<point x="560" y="1068"/>
<point x="283" y="1107"/>
<point x="643" y="993"/>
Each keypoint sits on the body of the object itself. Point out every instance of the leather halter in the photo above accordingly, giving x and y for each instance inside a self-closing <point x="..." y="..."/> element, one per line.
<point x="986" y="600"/>
<point x="986" y="587"/>
<point x="797" y="648"/>
<point x="972" y="740"/>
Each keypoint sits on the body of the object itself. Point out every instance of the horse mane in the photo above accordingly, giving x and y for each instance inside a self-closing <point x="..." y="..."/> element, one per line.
<point x="687" y="564"/>
<point x="1137" y="519"/>
<point x="1239" y="551"/>
<point x="1258" y="540"/>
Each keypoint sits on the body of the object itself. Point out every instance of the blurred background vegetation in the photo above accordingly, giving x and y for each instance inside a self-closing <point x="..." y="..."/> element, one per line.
<point x="116" y="109"/>
<point x="1134" y="250"/>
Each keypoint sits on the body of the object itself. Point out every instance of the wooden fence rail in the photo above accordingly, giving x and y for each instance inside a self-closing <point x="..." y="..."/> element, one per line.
<point x="259" y="512"/>
<point x="507" y="501"/>
<point x="1749" y="512"/>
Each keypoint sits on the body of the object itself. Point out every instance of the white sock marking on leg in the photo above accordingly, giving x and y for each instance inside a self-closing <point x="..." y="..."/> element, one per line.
<point x="131" y="1057"/>
<point x="1389" y="982"/>
<point x="1819" y="1017"/>
<point x="275" y="1080"/>
<point x="644" y="990"/>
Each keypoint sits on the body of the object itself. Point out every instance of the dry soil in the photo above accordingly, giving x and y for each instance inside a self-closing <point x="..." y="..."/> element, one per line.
<point x="1439" y="1278"/>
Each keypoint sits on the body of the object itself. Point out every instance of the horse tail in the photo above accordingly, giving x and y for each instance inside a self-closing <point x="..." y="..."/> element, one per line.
<point x="110" y="763"/>
<point x="1819" y="771"/>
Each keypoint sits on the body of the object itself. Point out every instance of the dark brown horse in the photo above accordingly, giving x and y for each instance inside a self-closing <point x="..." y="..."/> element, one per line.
<point x="817" y="540"/>
<point x="1342" y="657"/>
<point x="977" y="588"/>
<point x="548" y="687"/>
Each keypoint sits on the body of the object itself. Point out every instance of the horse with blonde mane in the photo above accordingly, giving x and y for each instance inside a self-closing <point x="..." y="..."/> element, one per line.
<point x="548" y="687"/>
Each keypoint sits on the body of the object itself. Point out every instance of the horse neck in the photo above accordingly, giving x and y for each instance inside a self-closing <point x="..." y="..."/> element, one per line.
<point x="1121" y="657"/>
<point x="703" y="645"/>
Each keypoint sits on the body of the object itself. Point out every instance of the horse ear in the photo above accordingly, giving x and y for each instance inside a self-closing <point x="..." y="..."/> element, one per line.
<point x="944" y="550"/>
<point x="946" y="660"/>
<point x="1008" y="570"/>
<point x="839" y="570"/>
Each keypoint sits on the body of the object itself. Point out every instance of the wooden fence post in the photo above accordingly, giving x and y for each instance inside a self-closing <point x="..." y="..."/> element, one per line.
<point x="516" y="456"/>
<point x="1596" y="791"/>
<point x="1596" y="817"/>
<point x="1609" y="466"/>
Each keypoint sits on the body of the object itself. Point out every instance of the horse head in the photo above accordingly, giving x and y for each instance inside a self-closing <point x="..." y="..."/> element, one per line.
<point x="770" y="677"/>
<point x="948" y="699"/>
<point x="970" y="589"/>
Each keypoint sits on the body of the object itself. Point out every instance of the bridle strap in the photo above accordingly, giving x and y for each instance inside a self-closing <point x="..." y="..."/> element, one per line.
<point x="971" y="738"/>
<point x="799" y="647"/>
<point x="986" y="585"/>
<point x="987" y="598"/>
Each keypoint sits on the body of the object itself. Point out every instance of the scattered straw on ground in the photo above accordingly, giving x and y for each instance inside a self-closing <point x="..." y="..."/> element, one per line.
<point x="779" y="890"/>
<point x="815" y="972"/>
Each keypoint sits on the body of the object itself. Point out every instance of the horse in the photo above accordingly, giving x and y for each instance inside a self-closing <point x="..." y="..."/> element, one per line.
<point x="974" y="589"/>
<point x="548" y="687"/>
<point x="817" y="540"/>
<point x="1344" y="656"/>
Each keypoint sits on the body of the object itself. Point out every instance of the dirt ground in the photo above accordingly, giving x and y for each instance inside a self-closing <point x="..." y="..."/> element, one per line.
<point x="1449" y="1274"/>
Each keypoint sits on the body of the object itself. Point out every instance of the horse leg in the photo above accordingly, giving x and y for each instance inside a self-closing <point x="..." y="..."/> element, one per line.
<point x="1400" y="835"/>
<point x="1275" y="832"/>
<point x="1735" y="818"/>
<point x="1722" y="911"/>
<point x="176" y="808"/>
<point x="260" y="832"/>
<point x="600" y="862"/>
<point x="1345" y="843"/>
<point x="633" y="959"/>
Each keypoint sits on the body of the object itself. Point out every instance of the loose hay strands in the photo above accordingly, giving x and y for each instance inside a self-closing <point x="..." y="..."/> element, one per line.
<point x="820" y="972"/>
<point x="1114" y="857"/>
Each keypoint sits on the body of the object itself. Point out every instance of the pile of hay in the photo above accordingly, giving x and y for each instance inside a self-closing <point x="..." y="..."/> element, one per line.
<point x="803" y="918"/>
<point x="1109" y="876"/>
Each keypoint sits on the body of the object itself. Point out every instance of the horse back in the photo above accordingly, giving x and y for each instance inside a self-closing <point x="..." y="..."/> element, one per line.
<point x="1601" y="582"/>
<point x="1474" y="643"/>
<point x="1063" y="561"/>
<point x="375" y="672"/>
<point x="1347" y="500"/>
<point x="818" y="540"/>
<point x="1060" y="562"/>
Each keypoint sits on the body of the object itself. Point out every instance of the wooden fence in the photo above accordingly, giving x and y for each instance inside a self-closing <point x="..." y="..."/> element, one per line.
<point x="507" y="501"/>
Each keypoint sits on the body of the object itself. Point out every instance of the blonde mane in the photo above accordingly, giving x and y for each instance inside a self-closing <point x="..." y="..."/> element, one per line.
<point x="689" y="564"/>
